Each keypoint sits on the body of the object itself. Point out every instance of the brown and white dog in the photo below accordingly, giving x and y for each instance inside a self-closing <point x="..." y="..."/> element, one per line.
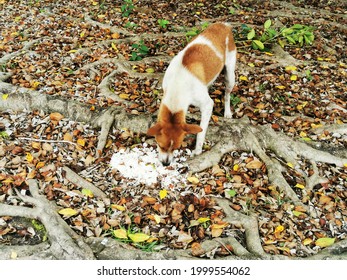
<point x="186" y="83"/>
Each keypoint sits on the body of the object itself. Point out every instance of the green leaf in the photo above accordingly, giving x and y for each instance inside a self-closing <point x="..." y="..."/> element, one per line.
<point x="251" y="34"/>
<point x="297" y="26"/>
<point x="287" y="31"/>
<point x="88" y="193"/>
<point x="290" y="39"/>
<point x="325" y="242"/>
<point x="232" y="193"/>
<point x="259" y="44"/>
<point x="267" y="24"/>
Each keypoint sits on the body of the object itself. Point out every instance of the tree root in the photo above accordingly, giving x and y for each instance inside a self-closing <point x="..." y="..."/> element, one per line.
<point x="64" y="242"/>
<point x="79" y="181"/>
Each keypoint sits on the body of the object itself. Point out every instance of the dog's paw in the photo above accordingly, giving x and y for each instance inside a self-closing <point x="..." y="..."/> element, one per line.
<point x="196" y="152"/>
<point x="228" y="115"/>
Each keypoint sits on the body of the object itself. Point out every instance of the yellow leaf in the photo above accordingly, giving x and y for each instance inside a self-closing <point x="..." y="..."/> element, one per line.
<point x="88" y="193"/>
<point x="162" y="194"/>
<point x="113" y="45"/>
<point x="268" y="53"/>
<point x="118" y="207"/>
<point x="82" y="34"/>
<point x="72" y="51"/>
<point x="150" y="70"/>
<point x="220" y="225"/>
<point x="236" y="167"/>
<point x="251" y="65"/>
<point x="279" y="229"/>
<point x="290" y="164"/>
<point x="157" y="219"/>
<point x="291" y="68"/>
<point x="313" y="125"/>
<point x="29" y="157"/>
<point x="193" y="180"/>
<point x="293" y="77"/>
<point x="138" y="237"/>
<point x="307" y="241"/>
<point x="115" y="35"/>
<point x="243" y="78"/>
<point x="4" y="96"/>
<point x="120" y="233"/>
<point x="303" y="134"/>
<point x="67" y="212"/>
<point x="40" y="164"/>
<point x="203" y="220"/>
<point x="345" y="164"/>
<point x="216" y="232"/>
<point x="81" y="142"/>
<point x="325" y="242"/>
<point x="124" y="96"/>
<point x="281" y="87"/>
<point x="151" y="239"/>
<point x="300" y="186"/>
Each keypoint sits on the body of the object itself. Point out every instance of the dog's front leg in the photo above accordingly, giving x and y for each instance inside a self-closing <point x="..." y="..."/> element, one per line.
<point x="206" y="108"/>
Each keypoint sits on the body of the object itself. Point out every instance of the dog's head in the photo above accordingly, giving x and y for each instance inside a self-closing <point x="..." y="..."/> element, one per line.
<point x="169" y="137"/>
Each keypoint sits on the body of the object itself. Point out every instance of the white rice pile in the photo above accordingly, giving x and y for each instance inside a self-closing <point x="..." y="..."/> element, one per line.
<point x="140" y="165"/>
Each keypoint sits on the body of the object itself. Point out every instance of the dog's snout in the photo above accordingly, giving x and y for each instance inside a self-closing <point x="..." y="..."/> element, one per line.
<point x="166" y="163"/>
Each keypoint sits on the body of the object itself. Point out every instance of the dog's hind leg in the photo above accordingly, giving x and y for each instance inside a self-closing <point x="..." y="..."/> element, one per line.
<point x="230" y="65"/>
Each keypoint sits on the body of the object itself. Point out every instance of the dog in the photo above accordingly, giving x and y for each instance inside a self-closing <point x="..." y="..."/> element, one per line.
<point x="186" y="83"/>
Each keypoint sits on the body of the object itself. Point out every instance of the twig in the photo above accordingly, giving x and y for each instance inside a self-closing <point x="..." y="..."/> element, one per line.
<point x="46" y="140"/>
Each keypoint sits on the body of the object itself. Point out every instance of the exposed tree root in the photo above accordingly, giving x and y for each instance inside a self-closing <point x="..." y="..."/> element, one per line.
<point x="64" y="242"/>
<point x="79" y="181"/>
<point x="276" y="150"/>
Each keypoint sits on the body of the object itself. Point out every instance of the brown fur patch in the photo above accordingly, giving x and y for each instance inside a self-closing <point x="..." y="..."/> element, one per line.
<point x="166" y="116"/>
<point x="202" y="62"/>
<point x="217" y="34"/>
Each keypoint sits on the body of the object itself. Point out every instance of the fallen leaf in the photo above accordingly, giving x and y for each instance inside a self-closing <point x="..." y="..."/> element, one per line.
<point x="138" y="237"/>
<point x="56" y="116"/>
<point x="162" y="194"/>
<point x="300" y="186"/>
<point x="67" y="212"/>
<point x="193" y="180"/>
<point x="88" y="193"/>
<point x="118" y="207"/>
<point x="254" y="164"/>
<point x="325" y="242"/>
<point x="29" y="157"/>
<point x="120" y="233"/>
<point x="197" y="250"/>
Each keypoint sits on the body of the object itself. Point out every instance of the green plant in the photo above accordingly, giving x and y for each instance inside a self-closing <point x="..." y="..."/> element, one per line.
<point x="235" y="100"/>
<point x="163" y="23"/>
<point x="297" y="34"/>
<point x="3" y="134"/>
<point x="195" y="31"/>
<point x="127" y="8"/>
<point x="308" y="75"/>
<point x="140" y="50"/>
<point x="130" y="25"/>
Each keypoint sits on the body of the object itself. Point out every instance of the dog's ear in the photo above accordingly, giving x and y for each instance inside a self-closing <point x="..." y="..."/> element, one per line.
<point x="192" y="128"/>
<point x="154" y="130"/>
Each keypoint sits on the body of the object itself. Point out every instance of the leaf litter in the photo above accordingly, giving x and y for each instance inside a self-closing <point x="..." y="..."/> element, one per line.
<point x="296" y="101"/>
